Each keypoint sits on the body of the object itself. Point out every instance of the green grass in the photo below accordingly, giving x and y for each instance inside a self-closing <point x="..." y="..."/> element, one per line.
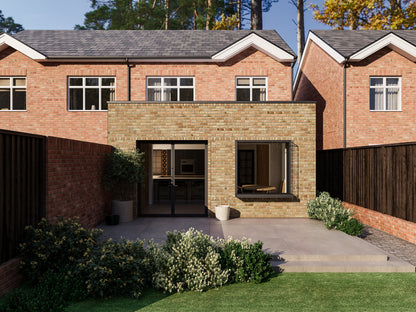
<point x="286" y="292"/>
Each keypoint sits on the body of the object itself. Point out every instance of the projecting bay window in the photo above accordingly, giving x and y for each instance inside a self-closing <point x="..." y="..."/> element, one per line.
<point x="251" y="89"/>
<point x="13" y="93"/>
<point x="385" y="94"/>
<point x="262" y="168"/>
<point x="165" y="89"/>
<point x="90" y="93"/>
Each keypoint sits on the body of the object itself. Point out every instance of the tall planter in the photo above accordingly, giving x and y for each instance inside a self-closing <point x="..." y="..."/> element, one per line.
<point x="123" y="208"/>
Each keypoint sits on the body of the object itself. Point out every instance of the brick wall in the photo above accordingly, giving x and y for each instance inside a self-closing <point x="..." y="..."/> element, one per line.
<point x="401" y="228"/>
<point x="10" y="277"/>
<point x="47" y="112"/>
<point x="74" y="180"/>
<point x="222" y="125"/>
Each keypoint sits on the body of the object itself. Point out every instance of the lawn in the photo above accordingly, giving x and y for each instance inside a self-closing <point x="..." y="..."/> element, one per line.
<point x="285" y="292"/>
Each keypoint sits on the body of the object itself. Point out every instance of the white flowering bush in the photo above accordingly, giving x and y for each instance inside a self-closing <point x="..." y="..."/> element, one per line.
<point x="187" y="261"/>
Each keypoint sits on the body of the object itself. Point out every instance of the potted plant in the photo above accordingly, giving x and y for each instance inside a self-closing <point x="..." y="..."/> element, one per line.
<point x="124" y="170"/>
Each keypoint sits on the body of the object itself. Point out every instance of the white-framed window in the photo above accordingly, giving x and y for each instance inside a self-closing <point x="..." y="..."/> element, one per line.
<point x="385" y="94"/>
<point x="13" y="93"/>
<point x="90" y="93"/>
<point x="251" y="88"/>
<point x="174" y="89"/>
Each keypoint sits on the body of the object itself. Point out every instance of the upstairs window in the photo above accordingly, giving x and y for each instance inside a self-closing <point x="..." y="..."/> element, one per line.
<point x="385" y="94"/>
<point x="13" y="93"/>
<point x="251" y="89"/>
<point x="165" y="89"/>
<point x="90" y="93"/>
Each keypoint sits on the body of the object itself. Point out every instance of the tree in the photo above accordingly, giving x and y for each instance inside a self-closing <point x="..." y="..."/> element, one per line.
<point x="299" y="4"/>
<point x="367" y="14"/>
<point x="8" y="25"/>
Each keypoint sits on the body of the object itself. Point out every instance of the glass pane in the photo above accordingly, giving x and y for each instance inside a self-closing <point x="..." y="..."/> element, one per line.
<point x="91" y="81"/>
<point x="19" y="99"/>
<point x="392" y="99"/>
<point x="154" y="94"/>
<point x="19" y="82"/>
<point x="376" y="99"/>
<point x="107" y="95"/>
<point x="187" y="81"/>
<point x="108" y="82"/>
<point x="154" y="81"/>
<point x="259" y="81"/>
<point x="170" y="81"/>
<point x="243" y="81"/>
<point x="392" y="81"/>
<point x="187" y="94"/>
<point x="91" y="99"/>
<point x="259" y="94"/>
<point x="243" y="94"/>
<point x="170" y="94"/>
<point x="75" y="99"/>
<point x="376" y="82"/>
<point x="75" y="81"/>
<point x="5" y="82"/>
<point x="4" y="99"/>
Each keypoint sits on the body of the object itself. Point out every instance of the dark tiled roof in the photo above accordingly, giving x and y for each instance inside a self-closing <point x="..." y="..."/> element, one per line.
<point x="139" y="43"/>
<point x="348" y="42"/>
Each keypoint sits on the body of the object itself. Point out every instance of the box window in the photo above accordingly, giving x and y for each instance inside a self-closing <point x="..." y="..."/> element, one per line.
<point x="165" y="89"/>
<point x="13" y="93"/>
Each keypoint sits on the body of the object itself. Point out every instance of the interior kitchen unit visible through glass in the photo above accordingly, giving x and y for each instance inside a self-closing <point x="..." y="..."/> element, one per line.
<point x="175" y="179"/>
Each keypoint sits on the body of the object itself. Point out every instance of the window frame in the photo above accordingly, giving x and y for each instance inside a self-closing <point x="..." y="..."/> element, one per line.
<point x="251" y="87"/>
<point x="84" y="87"/>
<point x="385" y="87"/>
<point x="288" y="196"/>
<point x="162" y="87"/>
<point x="11" y="87"/>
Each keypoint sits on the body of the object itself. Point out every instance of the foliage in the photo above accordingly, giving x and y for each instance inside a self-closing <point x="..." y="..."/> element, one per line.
<point x="333" y="214"/>
<point x="53" y="292"/>
<point x="245" y="262"/>
<point x="367" y="14"/>
<point x="229" y="22"/>
<point x="51" y="247"/>
<point x="186" y="261"/>
<point x="115" y="268"/>
<point x="8" y="25"/>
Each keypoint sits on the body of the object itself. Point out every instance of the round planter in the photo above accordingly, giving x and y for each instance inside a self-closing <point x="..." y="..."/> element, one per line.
<point x="112" y="220"/>
<point x="123" y="208"/>
<point x="222" y="212"/>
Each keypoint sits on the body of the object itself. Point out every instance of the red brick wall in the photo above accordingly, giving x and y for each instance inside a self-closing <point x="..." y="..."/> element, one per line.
<point x="321" y="80"/>
<point x="74" y="180"/>
<point x="47" y="112"/>
<point x="9" y="276"/>
<point x="401" y="228"/>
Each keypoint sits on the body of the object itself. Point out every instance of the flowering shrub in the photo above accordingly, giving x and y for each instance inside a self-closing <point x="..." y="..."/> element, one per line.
<point x="114" y="268"/>
<point x="245" y="261"/>
<point x="333" y="214"/>
<point x="187" y="261"/>
<point x="52" y="247"/>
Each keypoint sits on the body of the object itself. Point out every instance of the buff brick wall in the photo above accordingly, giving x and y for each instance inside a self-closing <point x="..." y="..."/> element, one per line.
<point x="222" y="124"/>
<point x="47" y="112"/>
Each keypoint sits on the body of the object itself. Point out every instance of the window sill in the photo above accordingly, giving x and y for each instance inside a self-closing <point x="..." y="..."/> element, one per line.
<point x="91" y="110"/>
<point x="12" y="110"/>
<point x="274" y="197"/>
<point x="385" y="111"/>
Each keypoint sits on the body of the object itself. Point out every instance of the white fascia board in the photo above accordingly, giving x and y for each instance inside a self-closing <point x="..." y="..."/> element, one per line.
<point x="8" y="40"/>
<point x="254" y="40"/>
<point x="391" y="40"/>
<point x="327" y="48"/>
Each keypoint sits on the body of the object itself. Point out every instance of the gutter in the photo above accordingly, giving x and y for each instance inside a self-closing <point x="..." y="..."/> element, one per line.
<point x="292" y="82"/>
<point x="129" y="66"/>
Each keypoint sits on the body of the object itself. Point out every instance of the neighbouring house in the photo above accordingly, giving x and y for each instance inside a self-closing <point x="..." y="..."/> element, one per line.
<point x="363" y="82"/>
<point x="212" y="110"/>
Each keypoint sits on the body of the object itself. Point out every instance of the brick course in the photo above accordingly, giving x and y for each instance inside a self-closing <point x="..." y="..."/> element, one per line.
<point x="10" y="277"/>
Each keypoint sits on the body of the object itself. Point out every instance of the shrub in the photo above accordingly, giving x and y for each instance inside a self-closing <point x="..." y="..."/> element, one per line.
<point x="116" y="268"/>
<point x="187" y="261"/>
<point x="245" y="261"/>
<point x="351" y="227"/>
<point x="51" y="247"/>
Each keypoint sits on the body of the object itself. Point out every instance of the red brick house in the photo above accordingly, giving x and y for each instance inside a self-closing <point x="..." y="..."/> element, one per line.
<point x="363" y="83"/>
<point x="212" y="110"/>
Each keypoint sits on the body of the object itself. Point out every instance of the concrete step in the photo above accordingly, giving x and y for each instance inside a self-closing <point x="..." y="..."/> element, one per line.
<point x="333" y="258"/>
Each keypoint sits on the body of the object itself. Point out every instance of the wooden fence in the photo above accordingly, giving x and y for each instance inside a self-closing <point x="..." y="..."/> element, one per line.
<point x="22" y="187"/>
<point x="380" y="178"/>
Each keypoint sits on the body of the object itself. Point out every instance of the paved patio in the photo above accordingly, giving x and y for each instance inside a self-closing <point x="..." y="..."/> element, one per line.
<point x="298" y="245"/>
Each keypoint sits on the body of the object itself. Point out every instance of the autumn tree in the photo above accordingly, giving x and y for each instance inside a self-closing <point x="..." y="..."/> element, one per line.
<point x="8" y="25"/>
<point x="367" y="14"/>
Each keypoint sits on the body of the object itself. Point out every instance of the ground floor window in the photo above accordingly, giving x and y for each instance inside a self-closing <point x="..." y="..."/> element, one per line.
<point x="262" y="167"/>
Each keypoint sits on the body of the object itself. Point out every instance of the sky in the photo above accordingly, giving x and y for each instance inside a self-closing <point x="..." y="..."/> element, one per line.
<point x="60" y="14"/>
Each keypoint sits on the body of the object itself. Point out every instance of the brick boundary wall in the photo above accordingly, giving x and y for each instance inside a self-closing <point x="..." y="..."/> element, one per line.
<point x="10" y="277"/>
<point x="400" y="228"/>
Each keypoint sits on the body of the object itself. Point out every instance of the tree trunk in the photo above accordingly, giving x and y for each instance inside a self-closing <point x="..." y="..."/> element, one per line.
<point x="239" y="14"/>
<point x="195" y="15"/>
<point x="301" y="28"/>
<point x="256" y="15"/>
<point x="208" y="23"/>
<point x="167" y="9"/>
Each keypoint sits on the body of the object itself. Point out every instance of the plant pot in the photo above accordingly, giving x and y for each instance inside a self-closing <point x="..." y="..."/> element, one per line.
<point x="123" y="208"/>
<point x="112" y="220"/>
<point x="222" y="212"/>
